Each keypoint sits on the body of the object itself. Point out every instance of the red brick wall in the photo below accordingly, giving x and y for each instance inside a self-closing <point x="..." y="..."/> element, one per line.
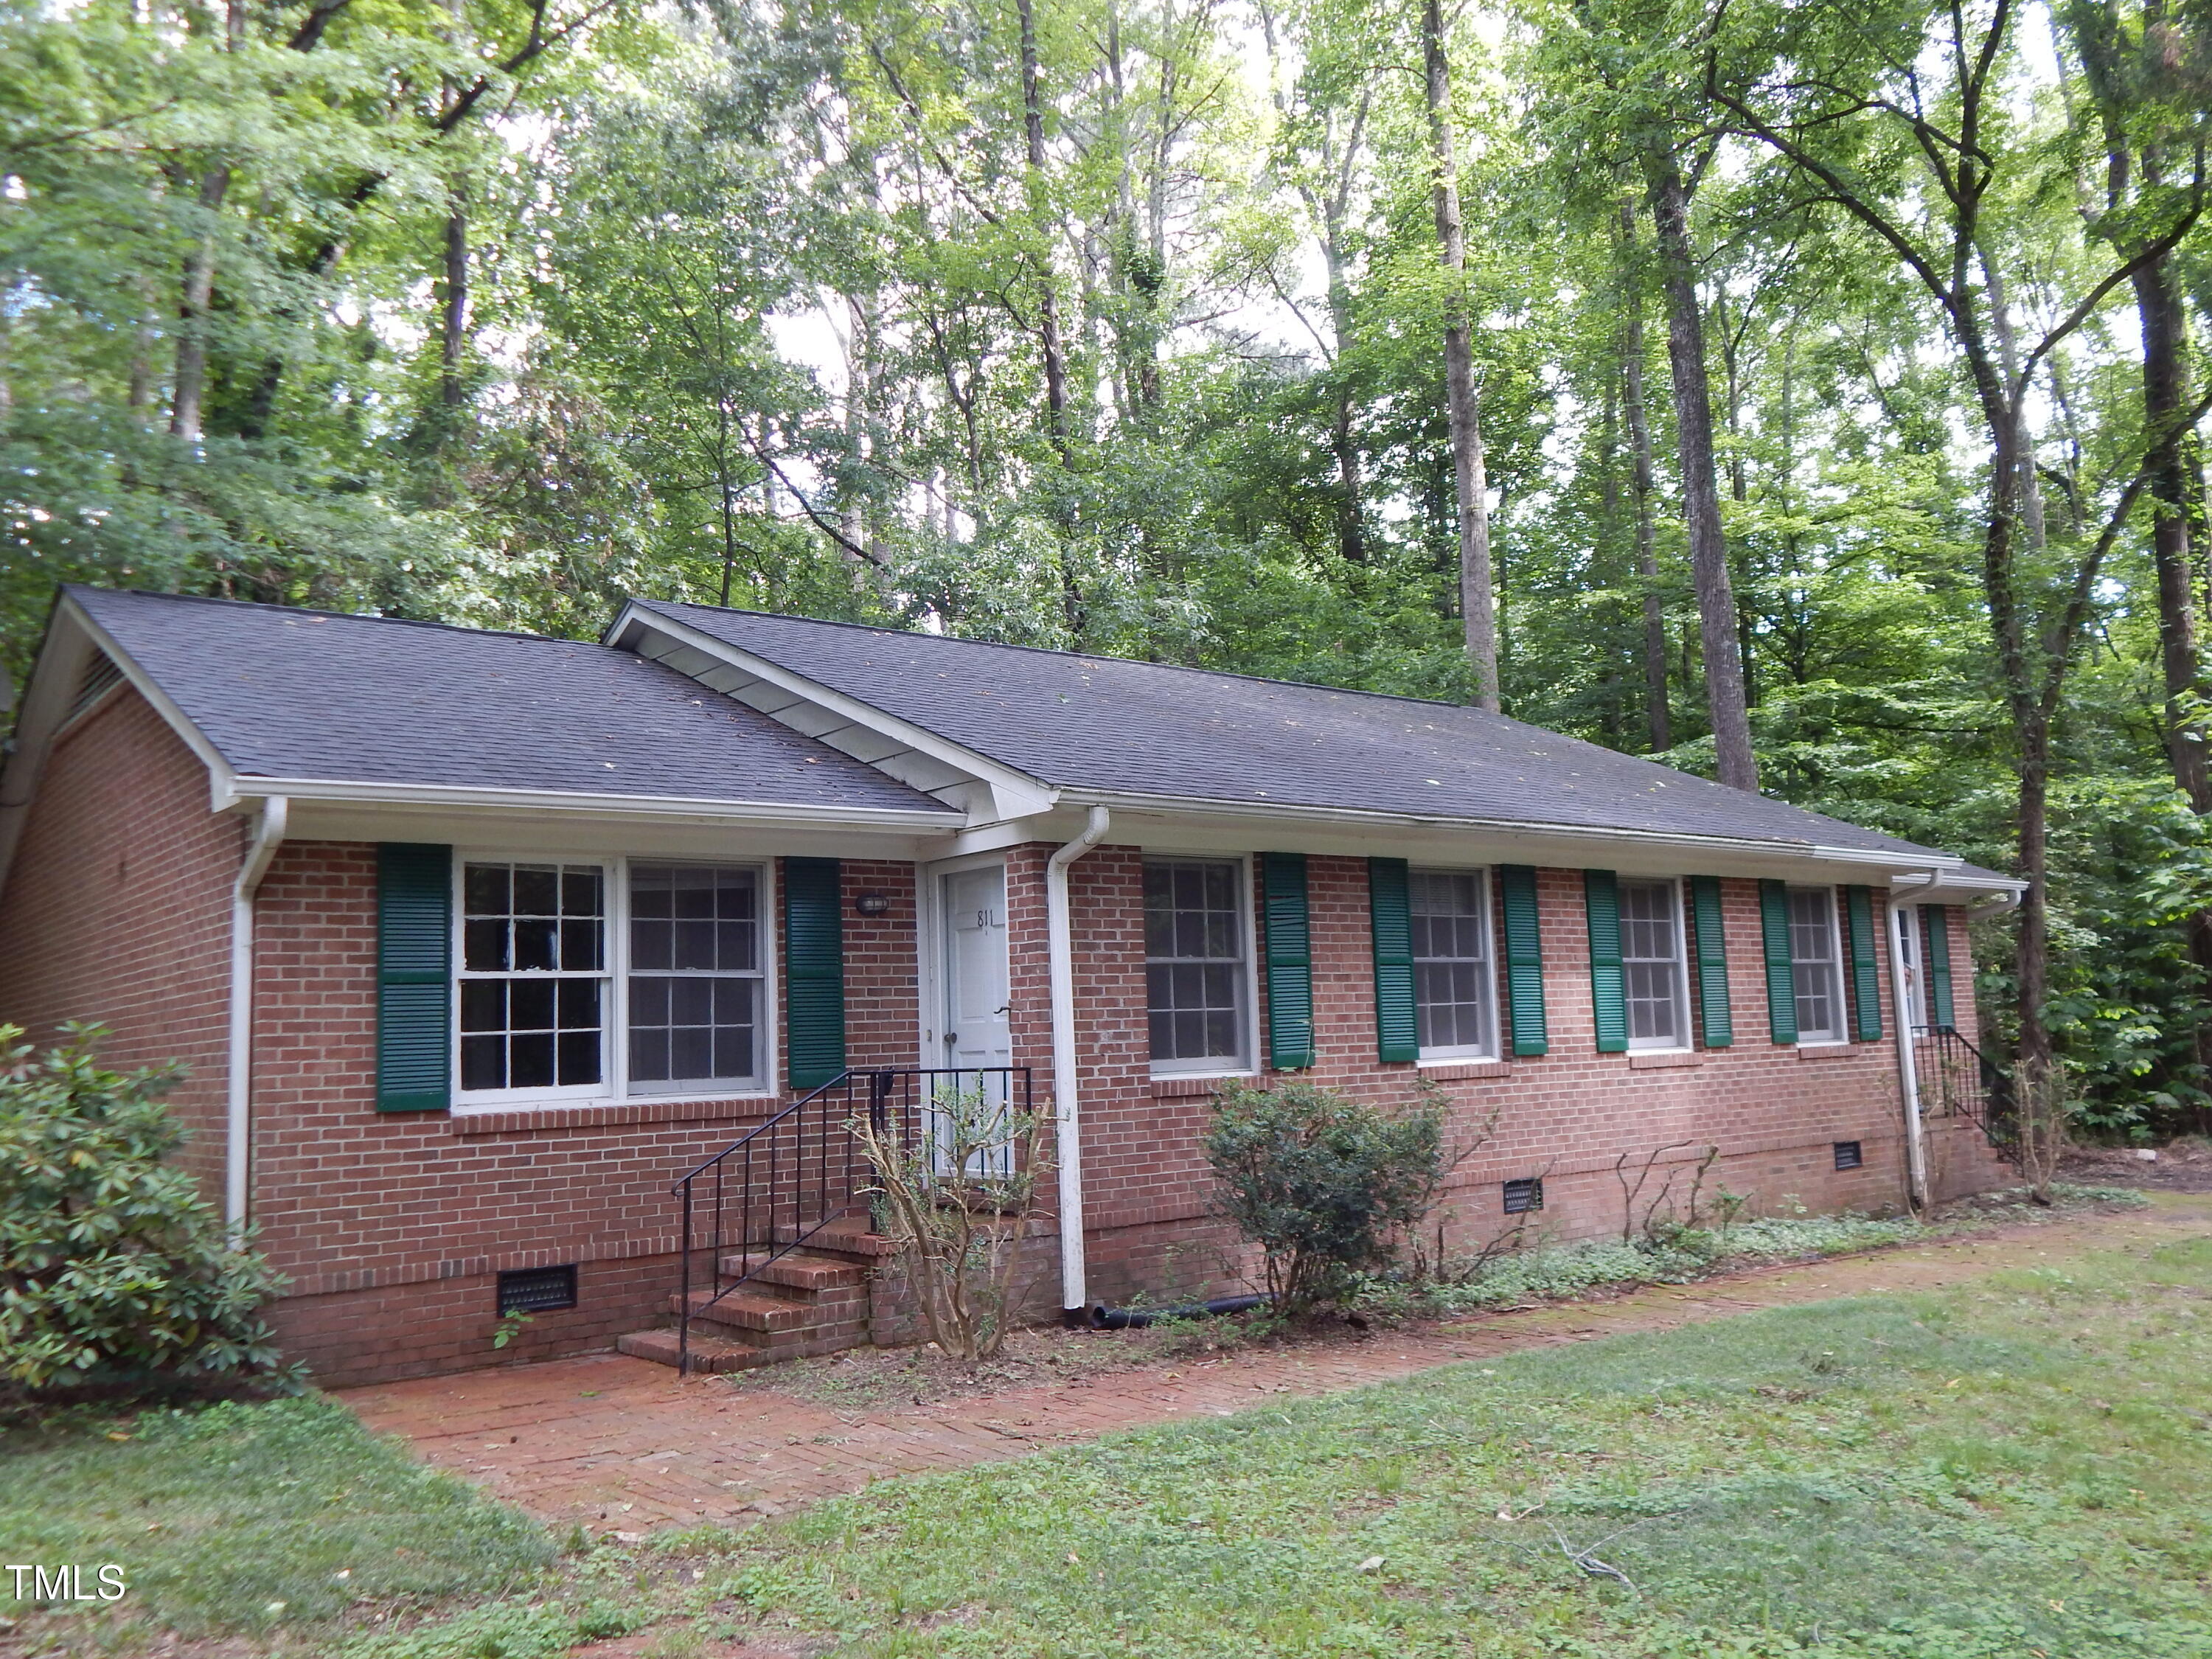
<point x="394" y="1226"/>
<point x="117" y="909"/>
<point x="1775" y="1112"/>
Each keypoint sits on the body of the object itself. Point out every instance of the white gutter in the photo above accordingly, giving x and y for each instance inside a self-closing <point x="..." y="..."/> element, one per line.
<point x="267" y="837"/>
<point x="1908" y="1073"/>
<point x="706" y="809"/>
<point x="1067" y="1119"/>
<point x="1369" y="817"/>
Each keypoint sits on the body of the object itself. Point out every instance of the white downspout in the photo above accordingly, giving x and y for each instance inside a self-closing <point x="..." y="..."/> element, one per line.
<point x="1067" y="1119"/>
<point x="1908" y="1075"/>
<point x="267" y="837"/>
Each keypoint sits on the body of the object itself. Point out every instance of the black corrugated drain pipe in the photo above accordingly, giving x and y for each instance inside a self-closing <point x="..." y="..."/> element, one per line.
<point x="1103" y="1318"/>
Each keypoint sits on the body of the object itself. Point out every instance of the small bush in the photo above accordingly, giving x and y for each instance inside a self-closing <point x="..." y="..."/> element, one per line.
<point x="1328" y="1187"/>
<point x="114" y="1272"/>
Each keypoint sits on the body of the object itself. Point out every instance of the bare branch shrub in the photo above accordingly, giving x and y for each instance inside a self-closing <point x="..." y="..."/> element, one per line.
<point x="957" y="1198"/>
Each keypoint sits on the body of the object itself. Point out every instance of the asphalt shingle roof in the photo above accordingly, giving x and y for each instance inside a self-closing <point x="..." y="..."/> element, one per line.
<point x="1113" y="726"/>
<point x="287" y="693"/>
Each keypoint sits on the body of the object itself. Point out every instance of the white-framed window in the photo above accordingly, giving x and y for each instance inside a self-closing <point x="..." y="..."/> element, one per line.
<point x="1816" y="964"/>
<point x="1653" y="974"/>
<point x="608" y="979"/>
<point x="1454" y="975"/>
<point x="1198" y="964"/>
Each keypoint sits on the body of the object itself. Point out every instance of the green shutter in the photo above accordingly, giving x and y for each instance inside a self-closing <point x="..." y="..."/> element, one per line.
<point x="1781" y="983"/>
<point x="1866" y="984"/>
<point x="414" y="977"/>
<point x="1524" y="958"/>
<point x="1397" y="1025"/>
<point x="813" y="971"/>
<point x="1937" y="918"/>
<point x="1713" y="1016"/>
<point x="1608" y="993"/>
<point x="1290" y="961"/>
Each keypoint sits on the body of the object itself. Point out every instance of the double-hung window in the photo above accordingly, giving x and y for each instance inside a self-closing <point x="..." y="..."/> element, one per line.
<point x="1652" y="973"/>
<point x="1815" y="968"/>
<point x="1455" y="984"/>
<point x="1197" y="971"/>
<point x="582" y="980"/>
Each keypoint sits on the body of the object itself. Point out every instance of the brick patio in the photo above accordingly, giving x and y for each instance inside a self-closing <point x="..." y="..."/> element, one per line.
<point x="622" y="1445"/>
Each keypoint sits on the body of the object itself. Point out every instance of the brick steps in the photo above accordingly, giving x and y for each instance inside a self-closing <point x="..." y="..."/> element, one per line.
<point x="813" y="1300"/>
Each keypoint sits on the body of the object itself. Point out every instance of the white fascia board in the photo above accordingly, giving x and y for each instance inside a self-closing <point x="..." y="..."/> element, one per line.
<point x="1014" y="793"/>
<point x="1537" y="836"/>
<point x="893" y="818"/>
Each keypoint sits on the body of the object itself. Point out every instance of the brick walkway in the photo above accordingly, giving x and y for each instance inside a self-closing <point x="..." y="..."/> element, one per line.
<point x="623" y="1445"/>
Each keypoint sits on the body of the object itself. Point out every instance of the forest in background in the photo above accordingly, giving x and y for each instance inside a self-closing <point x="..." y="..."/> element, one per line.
<point x="1805" y="394"/>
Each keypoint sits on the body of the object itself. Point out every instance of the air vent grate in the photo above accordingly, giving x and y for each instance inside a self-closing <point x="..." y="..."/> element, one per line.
<point x="537" y="1289"/>
<point x="102" y="675"/>
<point x="1848" y="1155"/>
<point x="1522" y="1196"/>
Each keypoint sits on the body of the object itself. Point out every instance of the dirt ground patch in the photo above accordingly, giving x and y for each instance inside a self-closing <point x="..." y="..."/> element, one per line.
<point x="624" y="1447"/>
<point x="2181" y="1166"/>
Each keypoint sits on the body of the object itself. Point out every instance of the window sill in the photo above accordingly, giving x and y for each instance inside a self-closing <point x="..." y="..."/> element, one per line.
<point x="1186" y="1085"/>
<point x="1456" y="1071"/>
<point x="1660" y="1059"/>
<point x="1829" y="1050"/>
<point x="571" y="1115"/>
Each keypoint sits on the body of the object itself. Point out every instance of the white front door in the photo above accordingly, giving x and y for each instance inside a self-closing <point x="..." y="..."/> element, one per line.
<point x="1906" y="917"/>
<point x="977" y="1028"/>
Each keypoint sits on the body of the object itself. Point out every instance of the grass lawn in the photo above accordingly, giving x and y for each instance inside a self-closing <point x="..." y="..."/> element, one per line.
<point x="2023" y="1468"/>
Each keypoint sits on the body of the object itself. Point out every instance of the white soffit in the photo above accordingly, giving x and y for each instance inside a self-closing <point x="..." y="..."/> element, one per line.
<point x="986" y="791"/>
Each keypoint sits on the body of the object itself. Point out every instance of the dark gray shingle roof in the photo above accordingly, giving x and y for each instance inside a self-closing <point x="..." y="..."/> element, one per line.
<point x="286" y="693"/>
<point x="1106" y="724"/>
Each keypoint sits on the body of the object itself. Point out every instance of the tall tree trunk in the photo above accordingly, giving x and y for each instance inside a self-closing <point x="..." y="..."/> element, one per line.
<point x="1701" y="505"/>
<point x="188" y="393"/>
<point x="1074" y="611"/>
<point x="1055" y="363"/>
<point x="1641" y="488"/>
<point x="453" y="313"/>
<point x="1478" y="606"/>
<point x="1350" y="485"/>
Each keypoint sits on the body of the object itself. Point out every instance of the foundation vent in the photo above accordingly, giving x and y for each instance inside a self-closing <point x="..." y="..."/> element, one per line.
<point x="1848" y="1156"/>
<point x="537" y="1289"/>
<point x="1522" y="1196"/>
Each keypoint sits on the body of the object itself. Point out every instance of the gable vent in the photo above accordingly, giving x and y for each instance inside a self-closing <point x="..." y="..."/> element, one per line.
<point x="102" y="675"/>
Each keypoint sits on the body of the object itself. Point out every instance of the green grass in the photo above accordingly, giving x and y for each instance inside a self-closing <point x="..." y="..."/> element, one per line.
<point x="2018" y="1469"/>
<point x="253" y="1517"/>
<point x="2022" y="1469"/>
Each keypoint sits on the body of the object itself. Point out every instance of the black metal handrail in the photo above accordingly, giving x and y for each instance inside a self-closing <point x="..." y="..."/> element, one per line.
<point x="1957" y="1080"/>
<point x="783" y="1181"/>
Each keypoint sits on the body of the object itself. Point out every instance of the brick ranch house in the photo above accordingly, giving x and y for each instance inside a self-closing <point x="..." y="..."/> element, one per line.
<point x="475" y="943"/>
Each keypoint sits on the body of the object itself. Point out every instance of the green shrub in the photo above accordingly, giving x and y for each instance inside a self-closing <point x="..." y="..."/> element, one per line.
<point x="114" y="1272"/>
<point x="1325" y="1186"/>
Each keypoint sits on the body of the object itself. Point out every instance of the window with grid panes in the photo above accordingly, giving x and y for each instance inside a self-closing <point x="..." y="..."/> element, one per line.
<point x="1195" y="963"/>
<point x="1815" y="971"/>
<point x="1652" y="973"/>
<point x="1455" y="984"/>
<point x="695" y="979"/>
<point x="533" y="983"/>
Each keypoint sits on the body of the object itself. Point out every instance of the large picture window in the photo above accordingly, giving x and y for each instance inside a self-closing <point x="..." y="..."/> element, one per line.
<point x="1652" y="972"/>
<point x="1197" y="969"/>
<point x="584" y="981"/>
<point x="1815" y="971"/>
<point x="1454" y="985"/>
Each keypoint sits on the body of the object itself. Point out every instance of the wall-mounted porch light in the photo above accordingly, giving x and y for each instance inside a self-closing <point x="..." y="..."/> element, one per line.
<point x="872" y="904"/>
